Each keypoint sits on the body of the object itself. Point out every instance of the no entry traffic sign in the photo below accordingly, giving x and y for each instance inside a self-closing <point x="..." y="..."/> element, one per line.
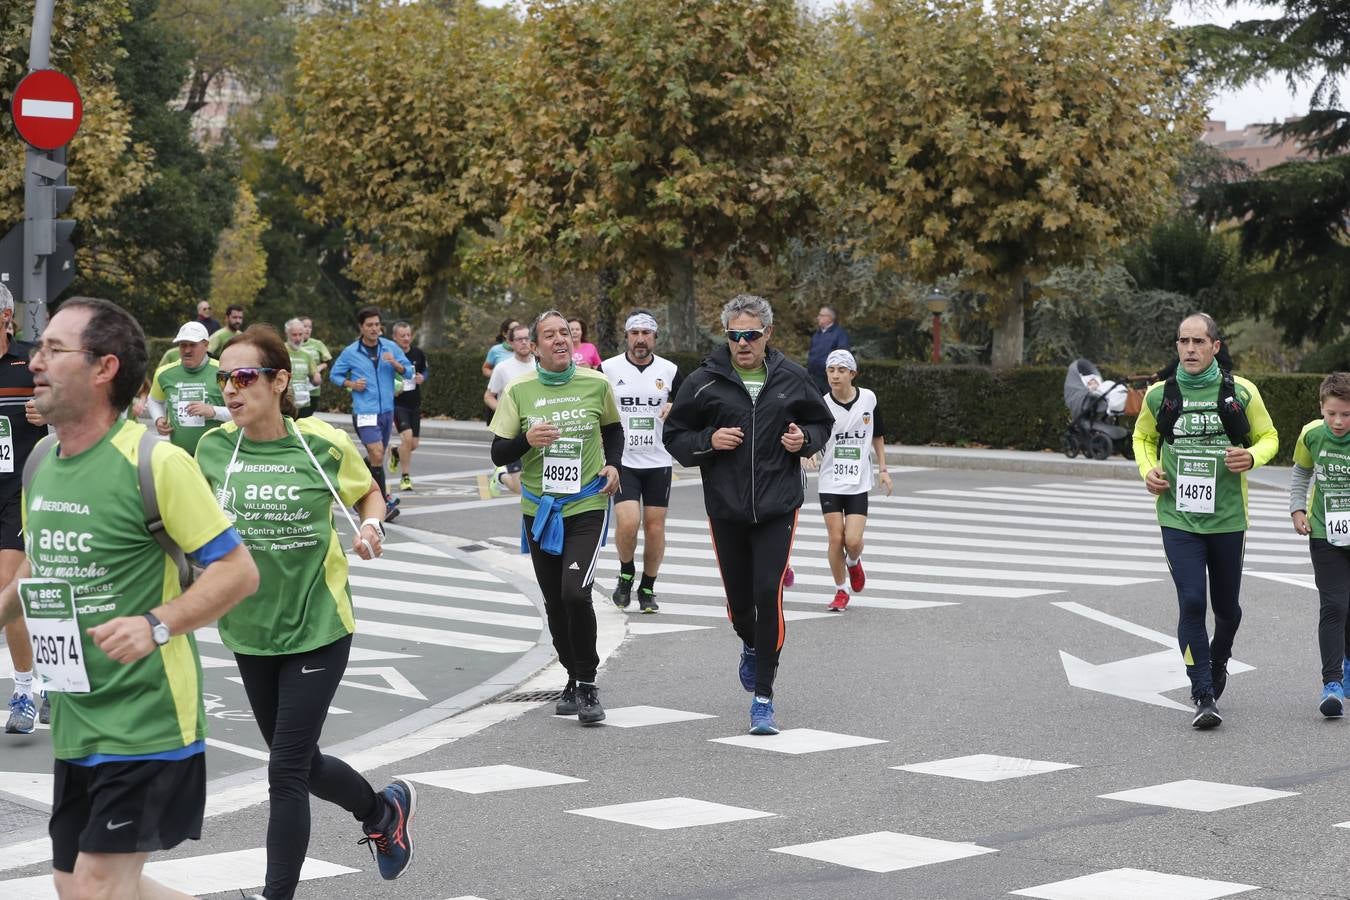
<point x="46" y="108"/>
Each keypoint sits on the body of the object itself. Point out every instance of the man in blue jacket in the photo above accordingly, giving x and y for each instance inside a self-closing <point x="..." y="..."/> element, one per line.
<point x="367" y="367"/>
<point x="827" y="338"/>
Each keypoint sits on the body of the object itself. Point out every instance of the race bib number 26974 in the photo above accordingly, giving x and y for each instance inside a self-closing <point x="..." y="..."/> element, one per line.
<point x="49" y="610"/>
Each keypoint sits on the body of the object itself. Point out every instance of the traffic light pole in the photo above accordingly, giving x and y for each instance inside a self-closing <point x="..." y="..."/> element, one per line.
<point x="39" y="203"/>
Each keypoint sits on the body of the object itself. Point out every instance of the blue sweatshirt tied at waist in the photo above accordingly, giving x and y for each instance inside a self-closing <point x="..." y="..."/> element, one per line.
<point x="548" y="519"/>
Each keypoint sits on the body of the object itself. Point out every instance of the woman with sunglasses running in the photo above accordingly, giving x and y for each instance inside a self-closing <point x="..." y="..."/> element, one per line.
<point x="277" y="478"/>
<point x="747" y="417"/>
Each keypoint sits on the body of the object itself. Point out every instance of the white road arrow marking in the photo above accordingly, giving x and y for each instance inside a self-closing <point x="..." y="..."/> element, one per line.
<point x="1143" y="678"/>
<point x="394" y="681"/>
<point x="1297" y="579"/>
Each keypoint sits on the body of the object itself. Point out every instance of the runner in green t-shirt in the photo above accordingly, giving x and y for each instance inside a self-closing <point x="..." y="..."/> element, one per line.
<point x="1197" y="469"/>
<point x="277" y="478"/>
<point x="110" y="625"/>
<point x="320" y="352"/>
<point x="564" y="426"/>
<point x="185" y="401"/>
<point x="304" y="369"/>
<point x="1322" y="460"/>
<point x="234" y="326"/>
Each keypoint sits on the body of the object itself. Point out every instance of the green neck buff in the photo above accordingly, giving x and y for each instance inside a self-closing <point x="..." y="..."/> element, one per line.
<point x="1205" y="379"/>
<point x="554" y="379"/>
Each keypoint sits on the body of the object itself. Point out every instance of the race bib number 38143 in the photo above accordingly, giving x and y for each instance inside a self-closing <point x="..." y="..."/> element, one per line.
<point x="49" y="609"/>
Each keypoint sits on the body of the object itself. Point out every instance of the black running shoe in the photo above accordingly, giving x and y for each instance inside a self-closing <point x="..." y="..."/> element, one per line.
<point x="1218" y="673"/>
<point x="1206" y="713"/>
<point x="589" y="710"/>
<point x="647" y="601"/>
<point x="567" y="703"/>
<point x="623" y="592"/>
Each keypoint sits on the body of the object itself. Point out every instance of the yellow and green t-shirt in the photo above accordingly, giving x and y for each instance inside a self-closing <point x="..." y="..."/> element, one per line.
<point x="283" y="511"/>
<point x="579" y="408"/>
<point x="1194" y="461"/>
<point x="84" y="523"/>
<point x="1328" y="457"/>
<point x="303" y="364"/>
<point x="176" y="386"/>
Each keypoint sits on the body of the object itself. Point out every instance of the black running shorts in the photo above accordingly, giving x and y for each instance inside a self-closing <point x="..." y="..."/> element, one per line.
<point x="408" y="418"/>
<point x="848" y="504"/>
<point x="650" y="486"/>
<point x="125" y="807"/>
<point x="11" y="524"/>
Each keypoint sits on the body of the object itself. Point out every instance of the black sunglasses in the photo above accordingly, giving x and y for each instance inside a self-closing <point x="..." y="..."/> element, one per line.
<point x="737" y="336"/>
<point x="243" y="377"/>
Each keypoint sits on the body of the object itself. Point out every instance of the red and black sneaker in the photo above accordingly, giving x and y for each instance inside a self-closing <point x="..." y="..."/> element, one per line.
<point x="840" y="601"/>
<point x="390" y="840"/>
<point x="856" y="578"/>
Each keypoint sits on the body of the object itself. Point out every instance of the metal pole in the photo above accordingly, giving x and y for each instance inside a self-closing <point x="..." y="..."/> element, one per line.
<point x="937" y="337"/>
<point x="39" y="46"/>
<point x="38" y="203"/>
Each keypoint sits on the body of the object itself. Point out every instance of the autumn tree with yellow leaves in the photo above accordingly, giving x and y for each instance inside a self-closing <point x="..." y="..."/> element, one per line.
<point x="995" y="140"/>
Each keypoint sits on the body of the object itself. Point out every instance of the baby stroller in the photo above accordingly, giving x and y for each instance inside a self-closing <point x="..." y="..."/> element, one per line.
<point x="1095" y="406"/>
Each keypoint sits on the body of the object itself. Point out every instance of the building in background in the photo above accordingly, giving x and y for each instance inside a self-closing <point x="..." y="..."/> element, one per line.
<point x="1250" y="145"/>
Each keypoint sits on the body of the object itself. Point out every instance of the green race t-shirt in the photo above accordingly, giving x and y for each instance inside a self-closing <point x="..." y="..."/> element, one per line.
<point x="302" y="366"/>
<point x="177" y="386"/>
<point x="283" y="511"/>
<point x="1329" y="458"/>
<point x="1204" y="498"/>
<point x="579" y="409"/>
<point x="319" y="350"/>
<point x="753" y="379"/>
<point x="215" y="345"/>
<point x="84" y="523"/>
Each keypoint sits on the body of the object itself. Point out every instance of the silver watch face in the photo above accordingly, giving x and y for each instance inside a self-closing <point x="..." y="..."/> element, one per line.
<point x="160" y="633"/>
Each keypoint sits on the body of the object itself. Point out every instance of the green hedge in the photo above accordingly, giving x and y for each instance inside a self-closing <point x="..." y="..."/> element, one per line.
<point x="1020" y="409"/>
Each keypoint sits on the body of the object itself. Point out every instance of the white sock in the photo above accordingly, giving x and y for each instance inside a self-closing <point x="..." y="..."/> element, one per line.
<point x="841" y="587"/>
<point x="23" y="683"/>
<point x="850" y="561"/>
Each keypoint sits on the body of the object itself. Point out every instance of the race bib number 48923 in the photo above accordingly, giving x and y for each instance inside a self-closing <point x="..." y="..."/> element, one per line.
<point x="49" y="610"/>
<point x="1197" y="483"/>
<point x="562" y="467"/>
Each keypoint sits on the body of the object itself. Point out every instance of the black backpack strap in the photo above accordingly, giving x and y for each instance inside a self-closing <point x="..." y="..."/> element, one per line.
<point x="35" y="458"/>
<point x="1231" y="412"/>
<point x="154" y="522"/>
<point x="1170" y="410"/>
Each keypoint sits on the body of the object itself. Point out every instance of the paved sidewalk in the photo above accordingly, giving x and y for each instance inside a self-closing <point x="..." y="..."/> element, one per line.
<point x="1045" y="462"/>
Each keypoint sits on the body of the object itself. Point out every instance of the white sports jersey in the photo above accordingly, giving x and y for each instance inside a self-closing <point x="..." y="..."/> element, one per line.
<point x="641" y="394"/>
<point x="846" y="466"/>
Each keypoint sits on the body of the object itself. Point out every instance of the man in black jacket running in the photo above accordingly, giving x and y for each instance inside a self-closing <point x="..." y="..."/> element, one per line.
<point x="745" y="417"/>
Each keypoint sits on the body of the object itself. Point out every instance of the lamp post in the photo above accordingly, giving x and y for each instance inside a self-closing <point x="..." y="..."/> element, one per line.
<point x="937" y="305"/>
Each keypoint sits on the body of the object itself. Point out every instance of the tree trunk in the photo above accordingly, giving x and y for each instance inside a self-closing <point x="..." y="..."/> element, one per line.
<point x="1010" y="328"/>
<point x="681" y="316"/>
<point x="608" y="336"/>
<point x="437" y="305"/>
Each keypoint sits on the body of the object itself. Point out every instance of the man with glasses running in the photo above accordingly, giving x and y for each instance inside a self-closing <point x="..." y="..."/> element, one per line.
<point x="746" y="417"/>
<point x="104" y="596"/>
<point x="1197" y="436"/>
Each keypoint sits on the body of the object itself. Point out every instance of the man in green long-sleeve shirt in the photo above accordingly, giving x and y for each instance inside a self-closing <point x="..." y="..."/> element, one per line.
<point x="1196" y="437"/>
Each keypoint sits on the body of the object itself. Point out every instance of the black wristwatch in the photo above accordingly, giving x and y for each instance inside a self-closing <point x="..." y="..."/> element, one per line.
<point x="158" y="630"/>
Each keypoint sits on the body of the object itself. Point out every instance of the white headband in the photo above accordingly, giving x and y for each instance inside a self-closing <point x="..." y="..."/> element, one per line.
<point x="640" y="322"/>
<point x="841" y="358"/>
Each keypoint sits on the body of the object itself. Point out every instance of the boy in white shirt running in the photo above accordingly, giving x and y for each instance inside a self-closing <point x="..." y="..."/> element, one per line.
<point x="846" y="472"/>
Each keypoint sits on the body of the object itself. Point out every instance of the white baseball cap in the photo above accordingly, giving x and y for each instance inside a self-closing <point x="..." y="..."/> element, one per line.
<point x="191" y="333"/>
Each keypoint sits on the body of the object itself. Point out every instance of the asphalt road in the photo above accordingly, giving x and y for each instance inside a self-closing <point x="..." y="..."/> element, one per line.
<point x="954" y="734"/>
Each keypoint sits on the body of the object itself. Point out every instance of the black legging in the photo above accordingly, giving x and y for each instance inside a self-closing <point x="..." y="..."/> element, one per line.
<point x="1192" y="557"/>
<point x="1331" y="569"/>
<point x="565" y="582"/>
<point x="753" y="559"/>
<point x="290" y="696"/>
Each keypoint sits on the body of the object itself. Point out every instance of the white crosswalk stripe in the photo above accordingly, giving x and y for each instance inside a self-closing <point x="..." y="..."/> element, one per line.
<point x="980" y="543"/>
